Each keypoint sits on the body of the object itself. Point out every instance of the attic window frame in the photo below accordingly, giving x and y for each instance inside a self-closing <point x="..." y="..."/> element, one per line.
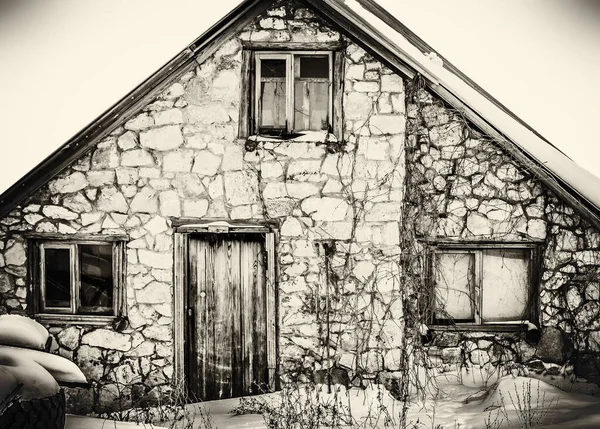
<point x="290" y="57"/>
<point x="247" y="126"/>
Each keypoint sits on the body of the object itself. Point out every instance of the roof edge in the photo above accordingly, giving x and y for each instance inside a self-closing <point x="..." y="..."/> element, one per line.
<point x="122" y="110"/>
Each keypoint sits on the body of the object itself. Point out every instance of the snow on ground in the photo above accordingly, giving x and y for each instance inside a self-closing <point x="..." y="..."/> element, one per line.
<point x="513" y="402"/>
<point x="82" y="422"/>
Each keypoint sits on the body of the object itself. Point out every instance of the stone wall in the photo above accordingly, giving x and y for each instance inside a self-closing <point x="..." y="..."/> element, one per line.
<point x="463" y="186"/>
<point x="338" y="208"/>
<point x="180" y="157"/>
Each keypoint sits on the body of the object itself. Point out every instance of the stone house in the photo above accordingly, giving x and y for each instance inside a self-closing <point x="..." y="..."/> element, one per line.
<point x="304" y="192"/>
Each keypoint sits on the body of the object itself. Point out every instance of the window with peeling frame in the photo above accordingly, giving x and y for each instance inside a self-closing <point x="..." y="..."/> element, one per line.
<point x="82" y="278"/>
<point x="485" y="285"/>
<point x="293" y="92"/>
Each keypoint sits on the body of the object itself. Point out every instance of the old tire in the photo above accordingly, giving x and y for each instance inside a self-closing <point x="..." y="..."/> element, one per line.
<point x="45" y="413"/>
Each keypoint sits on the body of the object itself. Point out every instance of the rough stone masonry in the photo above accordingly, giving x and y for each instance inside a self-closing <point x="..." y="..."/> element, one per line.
<point x="339" y="214"/>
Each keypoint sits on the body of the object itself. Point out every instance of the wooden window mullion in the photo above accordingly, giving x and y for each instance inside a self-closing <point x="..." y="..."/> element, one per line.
<point x="478" y="295"/>
<point x="75" y="279"/>
<point x="289" y="80"/>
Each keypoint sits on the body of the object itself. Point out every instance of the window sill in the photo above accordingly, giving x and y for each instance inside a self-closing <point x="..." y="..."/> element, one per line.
<point x="488" y="327"/>
<point x="77" y="319"/>
<point x="302" y="137"/>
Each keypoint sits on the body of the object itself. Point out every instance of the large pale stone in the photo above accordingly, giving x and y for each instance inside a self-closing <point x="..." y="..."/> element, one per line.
<point x="391" y="83"/>
<point x="206" y="164"/>
<point x="90" y="217"/>
<point x="225" y="86"/>
<point x="303" y="168"/>
<point x="156" y="225"/>
<point x="107" y="339"/>
<point x="58" y="212"/>
<point x="155" y="259"/>
<point x="367" y="86"/>
<point x="126" y="175"/>
<point x="145" y="201"/>
<point x="387" y="124"/>
<point x="105" y="157"/>
<point x="77" y="203"/>
<point x="137" y="158"/>
<point x="169" y="204"/>
<point x="208" y="114"/>
<point x="195" y="208"/>
<point x="478" y="224"/>
<point x="240" y="187"/>
<point x="304" y="248"/>
<point x="336" y="230"/>
<point x="295" y="190"/>
<point x="72" y="183"/>
<point x="291" y="228"/>
<point x="358" y="106"/>
<point x="100" y="178"/>
<point x="158" y="332"/>
<point x="374" y="149"/>
<point x="363" y="270"/>
<point x="383" y="212"/>
<point x="33" y="218"/>
<point x="154" y="293"/>
<point x="233" y="159"/>
<point x="140" y="122"/>
<point x="188" y="185"/>
<point x="89" y="361"/>
<point x="271" y="169"/>
<point x="536" y="228"/>
<point x="215" y="188"/>
<point x="69" y="337"/>
<point x="127" y="141"/>
<point x="15" y="255"/>
<point x="326" y="208"/>
<point x="168" y="117"/>
<point x="164" y="138"/>
<point x="180" y="160"/>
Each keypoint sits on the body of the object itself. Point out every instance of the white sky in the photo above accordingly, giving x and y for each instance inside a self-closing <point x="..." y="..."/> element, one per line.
<point x="63" y="62"/>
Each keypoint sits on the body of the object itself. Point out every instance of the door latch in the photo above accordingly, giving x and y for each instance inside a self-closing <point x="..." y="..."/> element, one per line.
<point x="190" y="312"/>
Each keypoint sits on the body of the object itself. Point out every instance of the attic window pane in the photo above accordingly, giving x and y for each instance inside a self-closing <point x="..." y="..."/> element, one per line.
<point x="272" y="68"/>
<point x="316" y="67"/>
<point x="96" y="262"/>
<point x="57" y="279"/>
<point x="505" y="284"/>
<point x="311" y="93"/>
<point x="272" y="100"/>
<point x="455" y="279"/>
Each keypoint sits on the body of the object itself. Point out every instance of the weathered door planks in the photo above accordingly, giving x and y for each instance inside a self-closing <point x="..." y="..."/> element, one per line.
<point x="228" y="333"/>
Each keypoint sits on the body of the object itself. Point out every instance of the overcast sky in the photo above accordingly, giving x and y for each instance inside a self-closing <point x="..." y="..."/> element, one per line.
<point x="63" y="62"/>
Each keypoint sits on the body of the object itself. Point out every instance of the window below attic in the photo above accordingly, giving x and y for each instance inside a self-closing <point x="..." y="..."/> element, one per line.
<point x="77" y="279"/>
<point x="483" y="286"/>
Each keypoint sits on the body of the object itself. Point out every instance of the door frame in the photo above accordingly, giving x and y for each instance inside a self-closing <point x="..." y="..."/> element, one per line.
<point x="181" y="235"/>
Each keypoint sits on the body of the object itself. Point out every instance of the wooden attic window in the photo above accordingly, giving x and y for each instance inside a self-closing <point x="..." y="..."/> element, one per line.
<point x="289" y="93"/>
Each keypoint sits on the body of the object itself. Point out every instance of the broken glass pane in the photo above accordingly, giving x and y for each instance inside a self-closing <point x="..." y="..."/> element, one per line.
<point x="96" y="276"/>
<point x="314" y="66"/>
<point x="454" y="286"/>
<point x="505" y="284"/>
<point x="57" y="263"/>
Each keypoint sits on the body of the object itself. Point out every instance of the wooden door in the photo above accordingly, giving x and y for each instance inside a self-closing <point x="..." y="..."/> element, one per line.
<point x="227" y="316"/>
